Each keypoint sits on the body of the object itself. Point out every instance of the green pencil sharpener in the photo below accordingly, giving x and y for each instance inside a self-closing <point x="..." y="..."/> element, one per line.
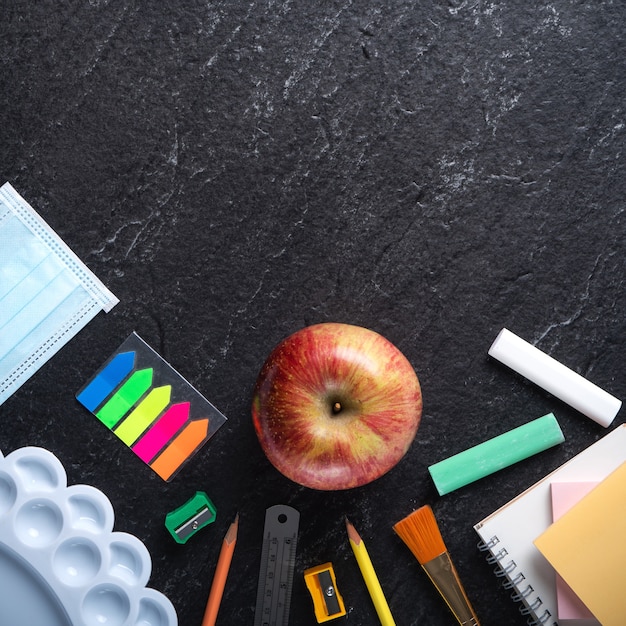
<point x="184" y="522"/>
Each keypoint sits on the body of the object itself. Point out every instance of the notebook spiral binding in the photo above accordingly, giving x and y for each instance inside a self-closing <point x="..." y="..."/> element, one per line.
<point x="523" y="593"/>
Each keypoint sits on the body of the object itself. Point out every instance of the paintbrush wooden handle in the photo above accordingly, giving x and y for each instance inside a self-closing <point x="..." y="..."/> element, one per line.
<point x="443" y="574"/>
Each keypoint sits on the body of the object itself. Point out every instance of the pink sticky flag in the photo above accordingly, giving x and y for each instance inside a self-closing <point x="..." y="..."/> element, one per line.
<point x="161" y="432"/>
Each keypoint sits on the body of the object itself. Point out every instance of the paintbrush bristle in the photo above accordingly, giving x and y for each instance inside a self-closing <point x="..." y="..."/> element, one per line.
<point x="420" y="532"/>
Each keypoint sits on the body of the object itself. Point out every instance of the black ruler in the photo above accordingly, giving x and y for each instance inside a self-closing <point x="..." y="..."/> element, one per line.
<point x="278" y="559"/>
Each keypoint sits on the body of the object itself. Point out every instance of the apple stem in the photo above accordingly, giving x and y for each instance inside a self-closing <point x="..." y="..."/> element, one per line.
<point x="337" y="408"/>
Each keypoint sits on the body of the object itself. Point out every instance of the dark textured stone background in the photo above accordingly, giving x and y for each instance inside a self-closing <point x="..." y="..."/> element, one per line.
<point x="233" y="171"/>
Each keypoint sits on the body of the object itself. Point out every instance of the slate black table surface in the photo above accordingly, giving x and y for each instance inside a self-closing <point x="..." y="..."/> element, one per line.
<point x="234" y="171"/>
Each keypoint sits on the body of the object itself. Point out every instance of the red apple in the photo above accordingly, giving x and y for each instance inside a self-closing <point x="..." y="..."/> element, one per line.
<point x="336" y="406"/>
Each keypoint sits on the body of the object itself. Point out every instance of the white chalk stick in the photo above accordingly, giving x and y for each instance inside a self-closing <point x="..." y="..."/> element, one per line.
<point x="555" y="377"/>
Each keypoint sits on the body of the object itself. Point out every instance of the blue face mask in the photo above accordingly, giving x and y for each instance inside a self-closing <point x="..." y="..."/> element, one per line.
<point x="47" y="294"/>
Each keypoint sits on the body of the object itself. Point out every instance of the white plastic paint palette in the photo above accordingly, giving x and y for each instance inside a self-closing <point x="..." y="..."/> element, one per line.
<point x="61" y="564"/>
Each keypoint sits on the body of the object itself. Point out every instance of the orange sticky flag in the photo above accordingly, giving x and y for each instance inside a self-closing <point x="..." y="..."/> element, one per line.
<point x="180" y="449"/>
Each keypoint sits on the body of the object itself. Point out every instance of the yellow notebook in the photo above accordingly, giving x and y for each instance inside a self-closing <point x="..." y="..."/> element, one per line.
<point x="587" y="547"/>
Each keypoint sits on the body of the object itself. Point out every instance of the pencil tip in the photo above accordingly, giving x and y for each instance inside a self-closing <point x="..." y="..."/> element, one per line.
<point x="231" y="533"/>
<point x="352" y="533"/>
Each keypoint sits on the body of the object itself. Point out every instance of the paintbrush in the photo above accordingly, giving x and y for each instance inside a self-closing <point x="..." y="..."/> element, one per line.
<point x="420" y="532"/>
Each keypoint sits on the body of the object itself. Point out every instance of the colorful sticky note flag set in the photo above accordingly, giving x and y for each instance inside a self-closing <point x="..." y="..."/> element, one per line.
<point x="150" y="407"/>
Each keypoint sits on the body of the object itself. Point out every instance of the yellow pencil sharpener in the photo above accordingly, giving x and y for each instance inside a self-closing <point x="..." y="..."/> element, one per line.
<point x="322" y="585"/>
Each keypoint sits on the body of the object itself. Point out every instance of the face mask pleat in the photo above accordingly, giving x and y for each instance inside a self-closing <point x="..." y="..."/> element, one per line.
<point x="40" y="278"/>
<point x="51" y="334"/>
<point x="56" y="294"/>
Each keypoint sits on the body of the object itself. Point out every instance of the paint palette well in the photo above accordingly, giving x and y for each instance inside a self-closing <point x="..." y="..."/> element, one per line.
<point x="150" y="407"/>
<point x="60" y="561"/>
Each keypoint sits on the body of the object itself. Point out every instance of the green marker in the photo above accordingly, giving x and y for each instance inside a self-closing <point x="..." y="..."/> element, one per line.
<point x="127" y="395"/>
<point x="496" y="454"/>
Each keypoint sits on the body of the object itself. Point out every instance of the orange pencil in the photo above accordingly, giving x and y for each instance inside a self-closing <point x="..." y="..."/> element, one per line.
<point x="221" y="572"/>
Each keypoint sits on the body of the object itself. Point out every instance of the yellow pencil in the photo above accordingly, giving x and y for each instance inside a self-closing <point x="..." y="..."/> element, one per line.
<point x="221" y="572"/>
<point x="369" y="576"/>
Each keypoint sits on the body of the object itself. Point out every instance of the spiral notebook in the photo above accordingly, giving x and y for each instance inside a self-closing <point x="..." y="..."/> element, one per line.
<point x="507" y="535"/>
